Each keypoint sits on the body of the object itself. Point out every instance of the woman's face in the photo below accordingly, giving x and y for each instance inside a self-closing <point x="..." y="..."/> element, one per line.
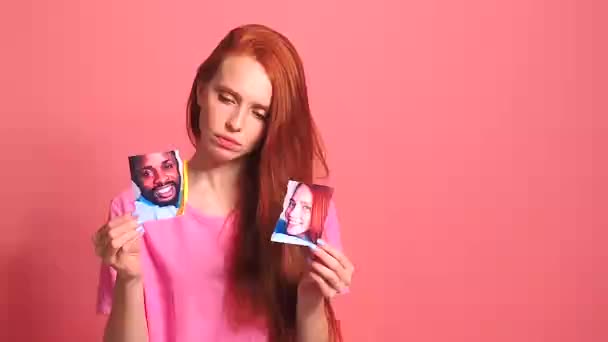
<point x="299" y="211"/>
<point x="234" y="108"/>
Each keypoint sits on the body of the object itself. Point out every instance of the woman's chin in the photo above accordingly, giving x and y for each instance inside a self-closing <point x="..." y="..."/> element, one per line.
<point x="295" y="231"/>
<point x="220" y="156"/>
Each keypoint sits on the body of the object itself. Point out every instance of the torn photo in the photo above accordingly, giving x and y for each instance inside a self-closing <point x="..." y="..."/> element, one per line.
<point x="305" y="209"/>
<point x="159" y="183"/>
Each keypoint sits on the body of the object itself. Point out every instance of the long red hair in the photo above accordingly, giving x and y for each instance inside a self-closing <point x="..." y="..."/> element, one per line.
<point x="263" y="276"/>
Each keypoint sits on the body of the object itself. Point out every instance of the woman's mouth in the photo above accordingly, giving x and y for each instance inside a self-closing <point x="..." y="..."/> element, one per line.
<point x="227" y="143"/>
<point x="294" y="223"/>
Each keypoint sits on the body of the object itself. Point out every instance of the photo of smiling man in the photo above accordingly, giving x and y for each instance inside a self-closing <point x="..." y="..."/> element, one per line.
<point x="305" y="209"/>
<point x="158" y="184"/>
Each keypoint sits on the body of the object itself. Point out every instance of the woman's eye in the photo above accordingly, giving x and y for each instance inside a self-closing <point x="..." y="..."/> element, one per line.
<point x="259" y="115"/>
<point x="225" y="99"/>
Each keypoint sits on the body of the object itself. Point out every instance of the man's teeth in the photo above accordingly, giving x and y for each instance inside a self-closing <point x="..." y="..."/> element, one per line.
<point x="164" y="190"/>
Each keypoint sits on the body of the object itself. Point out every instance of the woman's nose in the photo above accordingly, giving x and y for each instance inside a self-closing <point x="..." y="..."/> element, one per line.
<point x="235" y="122"/>
<point x="295" y="211"/>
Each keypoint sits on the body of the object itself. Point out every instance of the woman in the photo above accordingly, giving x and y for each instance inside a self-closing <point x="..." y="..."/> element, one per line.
<point x="212" y="274"/>
<point x="305" y="215"/>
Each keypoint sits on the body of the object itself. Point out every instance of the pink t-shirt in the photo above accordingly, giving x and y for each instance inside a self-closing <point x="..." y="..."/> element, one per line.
<point x="184" y="282"/>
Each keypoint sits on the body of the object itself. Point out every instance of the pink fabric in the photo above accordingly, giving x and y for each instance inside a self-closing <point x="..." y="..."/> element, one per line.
<point x="183" y="264"/>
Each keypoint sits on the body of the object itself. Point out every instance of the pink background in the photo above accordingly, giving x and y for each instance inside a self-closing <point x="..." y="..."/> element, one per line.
<point x="460" y="137"/>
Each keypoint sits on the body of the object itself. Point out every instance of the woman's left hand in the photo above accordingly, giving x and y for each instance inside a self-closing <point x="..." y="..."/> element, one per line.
<point x="330" y="270"/>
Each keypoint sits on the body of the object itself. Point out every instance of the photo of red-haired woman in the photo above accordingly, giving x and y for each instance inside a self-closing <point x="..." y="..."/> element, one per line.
<point x="305" y="209"/>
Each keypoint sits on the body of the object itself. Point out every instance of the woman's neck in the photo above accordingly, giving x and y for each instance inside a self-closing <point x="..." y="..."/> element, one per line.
<point x="213" y="187"/>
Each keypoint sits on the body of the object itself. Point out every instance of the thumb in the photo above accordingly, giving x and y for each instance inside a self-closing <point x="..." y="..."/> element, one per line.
<point x="134" y="244"/>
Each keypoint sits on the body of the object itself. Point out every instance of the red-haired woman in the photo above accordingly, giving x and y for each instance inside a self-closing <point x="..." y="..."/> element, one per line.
<point x="212" y="274"/>
<point x="305" y="215"/>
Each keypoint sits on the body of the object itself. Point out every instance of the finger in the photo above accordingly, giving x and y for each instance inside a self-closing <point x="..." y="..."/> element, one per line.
<point x="97" y="236"/>
<point x="118" y="230"/>
<point x="333" y="264"/>
<point x="325" y="288"/>
<point x="112" y="237"/>
<point x="330" y="276"/>
<point x="129" y="244"/>
<point x="112" y="224"/>
<point x="337" y="254"/>
<point x="119" y="221"/>
<point x="118" y="242"/>
<point x="99" y="242"/>
<point x="95" y="239"/>
<point x="99" y="250"/>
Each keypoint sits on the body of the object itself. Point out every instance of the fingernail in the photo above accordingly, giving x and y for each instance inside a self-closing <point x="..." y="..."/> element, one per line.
<point x="313" y="246"/>
<point x="140" y="221"/>
<point x="140" y="229"/>
<point x="344" y="290"/>
<point x="320" y="242"/>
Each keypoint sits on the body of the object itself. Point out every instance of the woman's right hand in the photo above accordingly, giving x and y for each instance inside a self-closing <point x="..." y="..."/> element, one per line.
<point x="118" y="244"/>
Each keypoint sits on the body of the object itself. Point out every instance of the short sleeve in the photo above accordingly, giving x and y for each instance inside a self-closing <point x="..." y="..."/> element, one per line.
<point x="107" y="275"/>
<point x="331" y="232"/>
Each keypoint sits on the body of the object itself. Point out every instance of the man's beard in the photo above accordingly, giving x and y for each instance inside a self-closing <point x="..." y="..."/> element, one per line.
<point x="150" y="195"/>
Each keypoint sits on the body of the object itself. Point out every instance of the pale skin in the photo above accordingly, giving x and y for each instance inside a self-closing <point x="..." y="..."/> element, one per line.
<point x="234" y="106"/>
